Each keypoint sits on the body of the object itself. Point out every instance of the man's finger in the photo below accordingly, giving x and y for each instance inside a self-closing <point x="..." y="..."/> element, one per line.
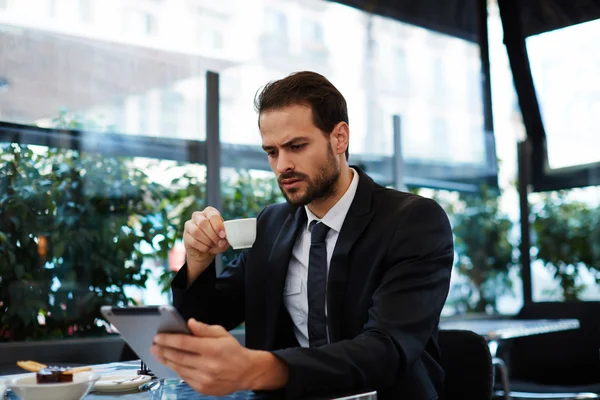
<point x="191" y="242"/>
<point x="216" y="221"/>
<point x="190" y="376"/>
<point x="204" y="225"/>
<point x="221" y="249"/>
<point x="200" y="329"/>
<point x="175" y="356"/>
<point x="176" y="341"/>
<point x="195" y="379"/>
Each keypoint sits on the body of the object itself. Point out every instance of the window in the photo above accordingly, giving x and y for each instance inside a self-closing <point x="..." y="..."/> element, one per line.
<point x="475" y="145"/>
<point x="98" y="194"/>
<point x="85" y="11"/>
<point x="400" y="72"/>
<point x="276" y="22"/>
<point x="172" y="104"/>
<point x="440" y="139"/>
<point x="312" y="41"/>
<point x="312" y="32"/>
<point x="566" y="229"/>
<point x="275" y="35"/>
<point x="144" y="114"/>
<point x="368" y="79"/>
<point x="113" y="118"/>
<point x="210" y="38"/>
<point x="474" y="88"/>
<point x="439" y="77"/>
<point x="3" y="4"/>
<point x="50" y="8"/>
<point x="563" y="66"/>
<point x="140" y="23"/>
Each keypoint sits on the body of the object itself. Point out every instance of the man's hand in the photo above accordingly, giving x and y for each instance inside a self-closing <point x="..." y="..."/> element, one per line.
<point x="213" y="362"/>
<point x="203" y="237"/>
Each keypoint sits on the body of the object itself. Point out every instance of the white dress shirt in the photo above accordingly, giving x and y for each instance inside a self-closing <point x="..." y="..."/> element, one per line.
<point x="295" y="297"/>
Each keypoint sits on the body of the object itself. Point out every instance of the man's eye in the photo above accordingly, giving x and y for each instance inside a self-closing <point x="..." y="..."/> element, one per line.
<point x="297" y="146"/>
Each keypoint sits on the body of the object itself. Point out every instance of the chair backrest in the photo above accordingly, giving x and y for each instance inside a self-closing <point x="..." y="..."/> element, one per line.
<point x="561" y="358"/>
<point x="467" y="362"/>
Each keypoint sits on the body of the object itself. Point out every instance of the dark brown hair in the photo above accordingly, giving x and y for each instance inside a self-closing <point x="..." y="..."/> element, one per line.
<point x="305" y="88"/>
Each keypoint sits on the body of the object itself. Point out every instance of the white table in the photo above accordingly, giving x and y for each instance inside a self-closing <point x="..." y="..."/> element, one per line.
<point x="160" y="389"/>
<point x="500" y="329"/>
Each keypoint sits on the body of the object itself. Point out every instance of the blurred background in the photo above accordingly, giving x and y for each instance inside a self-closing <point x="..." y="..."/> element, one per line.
<point x="119" y="118"/>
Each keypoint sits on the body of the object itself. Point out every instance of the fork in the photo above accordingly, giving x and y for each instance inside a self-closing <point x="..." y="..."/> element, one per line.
<point x="125" y="380"/>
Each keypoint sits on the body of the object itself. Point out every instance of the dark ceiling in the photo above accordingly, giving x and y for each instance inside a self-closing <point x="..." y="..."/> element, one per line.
<point x="453" y="17"/>
<point x="538" y="16"/>
<point x="457" y="17"/>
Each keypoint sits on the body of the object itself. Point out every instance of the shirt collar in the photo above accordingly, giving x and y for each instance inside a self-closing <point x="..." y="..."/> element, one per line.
<point x="335" y="217"/>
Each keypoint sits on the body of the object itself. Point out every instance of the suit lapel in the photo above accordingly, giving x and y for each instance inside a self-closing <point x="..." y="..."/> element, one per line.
<point x="279" y="260"/>
<point x="358" y="218"/>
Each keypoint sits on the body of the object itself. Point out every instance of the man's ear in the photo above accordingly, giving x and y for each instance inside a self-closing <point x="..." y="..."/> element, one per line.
<point x="340" y="136"/>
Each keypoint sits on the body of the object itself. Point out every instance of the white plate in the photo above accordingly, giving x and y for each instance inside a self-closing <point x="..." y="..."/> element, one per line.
<point x="120" y="382"/>
<point x="26" y="388"/>
<point x="2" y="389"/>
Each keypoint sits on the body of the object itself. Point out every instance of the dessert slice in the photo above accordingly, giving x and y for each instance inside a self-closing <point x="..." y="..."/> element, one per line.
<point x="54" y="375"/>
<point x="51" y="374"/>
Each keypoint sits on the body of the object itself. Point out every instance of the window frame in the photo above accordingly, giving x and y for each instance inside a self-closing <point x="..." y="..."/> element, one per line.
<point x="541" y="176"/>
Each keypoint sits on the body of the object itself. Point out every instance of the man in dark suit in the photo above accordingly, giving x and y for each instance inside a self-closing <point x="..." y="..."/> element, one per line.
<point x="344" y="285"/>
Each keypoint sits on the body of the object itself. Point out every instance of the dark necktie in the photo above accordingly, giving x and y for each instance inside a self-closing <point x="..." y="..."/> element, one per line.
<point x="317" y="284"/>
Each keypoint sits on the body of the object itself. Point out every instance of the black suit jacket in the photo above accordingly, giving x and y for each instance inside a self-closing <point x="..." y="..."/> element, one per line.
<point x="388" y="280"/>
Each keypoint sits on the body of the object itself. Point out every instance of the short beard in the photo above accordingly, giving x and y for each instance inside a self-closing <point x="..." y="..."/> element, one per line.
<point x="322" y="187"/>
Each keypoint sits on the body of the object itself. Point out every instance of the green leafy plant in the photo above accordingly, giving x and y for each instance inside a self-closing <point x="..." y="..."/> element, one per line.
<point x="77" y="228"/>
<point x="72" y="227"/>
<point x="567" y="238"/>
<point x="485" y="254"/>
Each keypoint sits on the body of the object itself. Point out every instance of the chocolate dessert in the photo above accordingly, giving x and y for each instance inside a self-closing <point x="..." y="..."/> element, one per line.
<point x="54" y="375"/>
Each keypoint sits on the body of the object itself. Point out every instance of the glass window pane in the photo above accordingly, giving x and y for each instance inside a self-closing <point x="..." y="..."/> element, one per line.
<point x="566" y="231"/>
<point x="86" y="11"/>
<point x="564" y="69"/>
<point x="80" y="230"/>
<point x="394" y="69"/>
<point x="122" y="87"/>
<point x="100" y="159"/>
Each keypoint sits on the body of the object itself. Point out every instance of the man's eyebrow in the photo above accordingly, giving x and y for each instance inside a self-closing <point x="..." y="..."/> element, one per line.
<point x="295" y="140"/>
<point x="289" y="143"/>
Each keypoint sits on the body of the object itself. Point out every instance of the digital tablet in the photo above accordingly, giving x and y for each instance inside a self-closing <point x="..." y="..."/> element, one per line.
<point x="139" y="325"/>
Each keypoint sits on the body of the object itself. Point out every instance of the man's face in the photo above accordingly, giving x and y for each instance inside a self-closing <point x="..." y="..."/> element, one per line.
<point x="300" y="154"/>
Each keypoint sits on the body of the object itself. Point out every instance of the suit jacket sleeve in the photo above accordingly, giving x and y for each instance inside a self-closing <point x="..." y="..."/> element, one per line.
<point x="211" y="299"/>
<point x="404" y="314"/>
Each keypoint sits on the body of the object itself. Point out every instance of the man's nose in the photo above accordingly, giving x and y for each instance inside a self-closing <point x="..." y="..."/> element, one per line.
<point x="284" y="163"/>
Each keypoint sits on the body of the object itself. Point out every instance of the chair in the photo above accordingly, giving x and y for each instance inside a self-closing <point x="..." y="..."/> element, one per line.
<point x="127" y="354"/>
<point x="557" y="365"/>
<point x="467" y="362"/>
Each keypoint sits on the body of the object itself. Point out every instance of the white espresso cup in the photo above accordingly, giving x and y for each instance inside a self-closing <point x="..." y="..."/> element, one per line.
<point x="241" y="233"/>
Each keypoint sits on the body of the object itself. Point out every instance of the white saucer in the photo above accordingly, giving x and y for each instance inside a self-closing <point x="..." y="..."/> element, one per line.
<point x="110" y="383"/>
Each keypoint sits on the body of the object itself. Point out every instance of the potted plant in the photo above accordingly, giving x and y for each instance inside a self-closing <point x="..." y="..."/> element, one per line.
<point x="484" y="252"/>
<point x="567" y="239"/>
<point x="76" y="229"/>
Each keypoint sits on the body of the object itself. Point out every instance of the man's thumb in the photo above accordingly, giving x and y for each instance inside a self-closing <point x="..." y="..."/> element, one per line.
<point x="204" y="330"/>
